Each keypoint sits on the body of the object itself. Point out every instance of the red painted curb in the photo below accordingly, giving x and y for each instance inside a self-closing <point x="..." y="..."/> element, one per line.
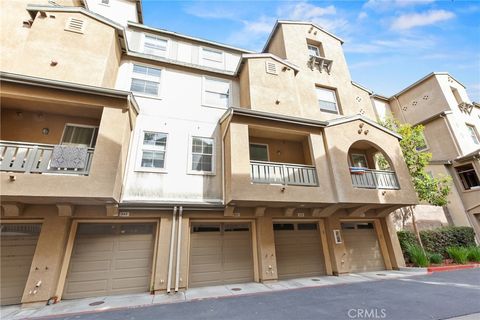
<point x="453" y="268"/>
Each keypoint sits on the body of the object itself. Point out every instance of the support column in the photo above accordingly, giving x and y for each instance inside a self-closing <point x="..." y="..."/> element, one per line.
<point x="391" y="240"/>
<point x="47" y="260"/>
<point x="338" y="252"/>
<point x="266" y="249"/>
<point x="163" y="250"/>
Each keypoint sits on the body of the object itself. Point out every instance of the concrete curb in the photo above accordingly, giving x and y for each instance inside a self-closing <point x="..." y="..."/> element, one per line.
<point x="413" y="269"/>
<point x="453" y="268"/>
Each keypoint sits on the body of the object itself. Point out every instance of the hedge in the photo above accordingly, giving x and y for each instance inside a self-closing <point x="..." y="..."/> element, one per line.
<point x="438" y="240"/>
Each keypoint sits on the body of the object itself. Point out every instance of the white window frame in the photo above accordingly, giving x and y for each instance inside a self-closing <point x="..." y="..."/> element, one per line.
<point x="190" y="156"/>
<point x="81" y="126"/>
<point x="364" y="156"/>
<point x="229" y="102"/>
<point x="167" y="49"/>
<point x="143" y="94"/>
<point x="222" y="59"/>
<point x="259" y="144"/>
<point x="141" y="148"/>
<point x="334" y="96"/>
<point x="317" y="49"/>
<point x="475" y="132"/>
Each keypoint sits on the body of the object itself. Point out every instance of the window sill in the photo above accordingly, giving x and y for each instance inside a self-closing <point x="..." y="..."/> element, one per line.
<point x="150" y="170"/>
<point x="136" y="94"/>
<point x="329" y="111"/>
<point x="201" y="173"/>
<point x="214" y="107"/>
<point x="472" y="189"/>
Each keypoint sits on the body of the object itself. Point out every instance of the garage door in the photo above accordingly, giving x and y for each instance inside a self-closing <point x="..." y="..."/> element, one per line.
<point x="18" y="243"/>
<point x="110" y="259"/>
<point x="299" y="250"/>
<point x="220" y="253"/>
<point x="363" y="250"/>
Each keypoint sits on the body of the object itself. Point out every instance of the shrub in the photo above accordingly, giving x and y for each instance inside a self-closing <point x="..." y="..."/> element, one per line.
<point x="438" y="240"/>
<point x="435" y="258"/>
<point x="458" y="254"/>
<point x="474" y="254"/>
<point x="406" y="238"/>
<point x="417" y="256"/>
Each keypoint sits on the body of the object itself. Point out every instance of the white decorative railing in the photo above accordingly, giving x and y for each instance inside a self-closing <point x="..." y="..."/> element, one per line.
<point x="283" y="173"/>
<point x="374" y="179"/>
<point x="34" y="158"/>
<point x="321" y="63"/>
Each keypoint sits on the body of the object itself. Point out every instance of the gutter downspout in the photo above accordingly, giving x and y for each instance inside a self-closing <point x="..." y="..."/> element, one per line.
<point x="223" y="155"/>
<point x="179" y="241"/>
<point x="170" y="256"/>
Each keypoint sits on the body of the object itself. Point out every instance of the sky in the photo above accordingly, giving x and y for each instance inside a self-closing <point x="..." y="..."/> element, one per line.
<point x="388" y="44"/>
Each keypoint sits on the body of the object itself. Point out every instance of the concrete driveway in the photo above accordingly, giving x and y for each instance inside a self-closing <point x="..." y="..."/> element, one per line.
<point x="437" y="296"/>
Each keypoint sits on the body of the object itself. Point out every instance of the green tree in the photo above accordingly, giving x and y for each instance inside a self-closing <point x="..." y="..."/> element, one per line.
<point x="429" y="189"/>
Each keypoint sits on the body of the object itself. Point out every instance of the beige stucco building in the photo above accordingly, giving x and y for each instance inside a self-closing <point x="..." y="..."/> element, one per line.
<point x="452" y="125"/>
<point x="266" y="169"/>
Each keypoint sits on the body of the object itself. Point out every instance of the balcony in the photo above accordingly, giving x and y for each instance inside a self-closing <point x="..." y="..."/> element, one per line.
<point x="27" y="157"/>
<point x="320" y="63"/>
<point x="374" y="179"/>
<point x="283" y="173"/>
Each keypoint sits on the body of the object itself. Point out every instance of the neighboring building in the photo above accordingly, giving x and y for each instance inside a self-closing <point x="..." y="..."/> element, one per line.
<point x="240" y="167"/>
<point x="452" y="125"/>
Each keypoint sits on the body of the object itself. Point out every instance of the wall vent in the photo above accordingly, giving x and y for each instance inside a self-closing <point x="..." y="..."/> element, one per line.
<point x="75" y="25"/>
<point x="271" y="67"/>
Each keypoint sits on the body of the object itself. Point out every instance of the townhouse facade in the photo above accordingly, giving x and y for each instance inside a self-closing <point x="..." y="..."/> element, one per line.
<point x="194" y="163"/>
<point x="452" y="125"/>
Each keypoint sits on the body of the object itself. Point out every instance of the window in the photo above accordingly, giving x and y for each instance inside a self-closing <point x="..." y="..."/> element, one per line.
<point x="473" y="133"/>
<point x="258" y="152"/>
<point x="468" y="176"/>
<point x="145" y="80"/>
<point x="202" y="154"/>
<point x="456" y="94"/>
<point x="423" y="144"/>
<point x="327" y="100"/>
<point x="154" y="45"/>
<point x="212" y="58"/>
<point x="359" y="160"/>
<point x="79" y="135"/>
<point x="216" y="92"/>
<point x="153" y="150"/>
<point x="313" y="50"/>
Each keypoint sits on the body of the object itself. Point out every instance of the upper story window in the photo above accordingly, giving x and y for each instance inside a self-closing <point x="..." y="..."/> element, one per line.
<point x="313" y="50"/>
<point x="259" y="152"/>
<point x="468" y="176"/>
<point x="155" y="45"/>
<point x="456" y="94"/>
<point x="145" y="80"/>
<point x="80" y="135"/>
<point x="216" y="92"/>
<point x="472" y="131"/>
<point x="154" y="147"/>
<point x="202" y="155"/>
<point x="212" y="58"/>
<point x="359" y="160"/>
<point x="327" y="100"/>
<point x="422" y="146"/>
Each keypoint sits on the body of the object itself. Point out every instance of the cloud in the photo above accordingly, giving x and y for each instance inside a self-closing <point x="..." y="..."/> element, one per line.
<point x="362" y="15"/>
<point x="211" y="12"/>
<point x="398" y="45"/>
<point x="382" y="5"/>
<point x="473" y="91"/>
<point x="409" y="21"/>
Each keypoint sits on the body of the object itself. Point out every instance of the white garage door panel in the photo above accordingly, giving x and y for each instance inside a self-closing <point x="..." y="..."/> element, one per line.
<point x="299" y="253"/>
<point x="18" y="243"/>
<point x="114" y="263"/>
<point x="220" y="257"/>
<point x="363" y="250"/>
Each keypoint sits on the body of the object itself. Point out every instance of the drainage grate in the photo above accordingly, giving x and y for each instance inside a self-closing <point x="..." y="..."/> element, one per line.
<point x="236" y="289"/>
<point x="315" y="279"/>
<point x="96" y="303"/>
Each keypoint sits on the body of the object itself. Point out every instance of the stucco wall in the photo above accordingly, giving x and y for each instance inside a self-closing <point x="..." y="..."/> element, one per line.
<point x="120" y="11"/>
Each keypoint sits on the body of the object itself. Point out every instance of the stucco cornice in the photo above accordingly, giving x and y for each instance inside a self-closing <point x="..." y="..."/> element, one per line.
<point x="279" y="22"/>
<point x="179" y="35"/>
<point x="272" y="116"/>
<point x="428" y="76"/>
<point x="362" y="87"/>
<point x="470" y="156"/>
<point x="6" y="77"/>
<point x="343" y="120"/>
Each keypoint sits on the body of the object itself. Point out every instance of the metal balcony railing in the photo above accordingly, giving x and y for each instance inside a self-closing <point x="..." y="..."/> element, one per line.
<point x="34" y="158"/>
<point x="374" y="179"/>
<point x="283" y="173"/>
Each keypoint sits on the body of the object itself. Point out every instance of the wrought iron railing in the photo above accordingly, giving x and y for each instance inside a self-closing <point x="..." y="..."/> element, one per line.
<point x="374" y="179"/>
